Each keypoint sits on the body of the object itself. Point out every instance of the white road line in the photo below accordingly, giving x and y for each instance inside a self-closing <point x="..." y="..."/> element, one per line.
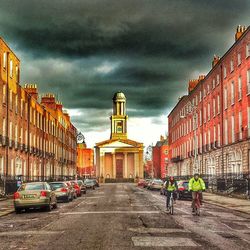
<point x="21" y="233"/>
<point x="144" y="230"/>
<point x="163" y="242"/>
<point x="112" y="212"/>
<point x="94" y="197"/>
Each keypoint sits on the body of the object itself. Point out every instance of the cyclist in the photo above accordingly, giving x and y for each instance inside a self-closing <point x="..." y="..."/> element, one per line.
<point x="171" y="187"/>
<point x="196" y="184"/>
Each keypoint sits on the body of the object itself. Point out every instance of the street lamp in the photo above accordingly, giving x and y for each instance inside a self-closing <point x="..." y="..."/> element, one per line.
<point x="192" y="109"/>
<point x="150" y="156"/>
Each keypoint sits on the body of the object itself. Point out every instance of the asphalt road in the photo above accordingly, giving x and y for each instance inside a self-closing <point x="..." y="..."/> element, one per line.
<point x="123" y="216"/>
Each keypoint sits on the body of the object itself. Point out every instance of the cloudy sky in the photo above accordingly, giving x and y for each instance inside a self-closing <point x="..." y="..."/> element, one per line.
<point x="85" y="51"/>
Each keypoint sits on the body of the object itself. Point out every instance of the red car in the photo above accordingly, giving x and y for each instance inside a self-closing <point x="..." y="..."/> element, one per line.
<point x="77" y="188"/>
<point x="141" y="183"/>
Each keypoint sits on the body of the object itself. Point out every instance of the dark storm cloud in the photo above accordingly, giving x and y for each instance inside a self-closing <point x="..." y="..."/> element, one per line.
<point x="84" y="51"/>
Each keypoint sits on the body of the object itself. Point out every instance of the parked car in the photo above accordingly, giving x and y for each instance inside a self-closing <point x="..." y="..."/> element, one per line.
<point x="63" y="192"/>
<point x="163" y="190"/>
<point x="89" y="183"/>
<point x="96" y="182"/>
<point x="183" y="192"/>
<point x="34" y="195"/>
<point x="141" y="183"/>
<point x="77" y="188"/>
<point x="155" y="184"/>
<point x="82" y="186"/>
<point x="146" y="183"/>
<point x="71" y="188"/>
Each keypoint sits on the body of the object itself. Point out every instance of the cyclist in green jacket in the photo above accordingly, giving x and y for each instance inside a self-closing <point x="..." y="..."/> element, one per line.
<point x="196" y="184"/>
<point x="171" y="187"/>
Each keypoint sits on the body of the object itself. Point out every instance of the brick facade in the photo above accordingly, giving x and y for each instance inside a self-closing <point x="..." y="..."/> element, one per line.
<point x="37" y="139"/>
<point x="216" y="126"/>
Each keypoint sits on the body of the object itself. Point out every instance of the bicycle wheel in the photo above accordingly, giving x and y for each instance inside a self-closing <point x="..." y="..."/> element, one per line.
<point x="172" y="207"/>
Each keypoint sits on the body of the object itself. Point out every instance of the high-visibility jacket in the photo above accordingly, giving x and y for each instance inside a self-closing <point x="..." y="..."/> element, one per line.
<point x="171" y="187"/>
<point x="196" y="185"/>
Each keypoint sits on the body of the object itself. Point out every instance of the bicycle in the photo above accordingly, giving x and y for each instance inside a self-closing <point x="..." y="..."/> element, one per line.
<point x="171" y="204"/>
<point x="197" y="204"/>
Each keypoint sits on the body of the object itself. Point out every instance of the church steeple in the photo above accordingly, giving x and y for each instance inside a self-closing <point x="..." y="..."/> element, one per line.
<point x="119" y="117"/>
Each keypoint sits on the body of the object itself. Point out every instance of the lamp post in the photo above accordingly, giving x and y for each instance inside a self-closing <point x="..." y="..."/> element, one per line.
<point x="192" y="109"/>
<point x="150" y="156"/>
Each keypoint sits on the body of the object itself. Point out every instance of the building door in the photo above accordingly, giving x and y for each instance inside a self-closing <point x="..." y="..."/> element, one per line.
<point x="119" y="168"/>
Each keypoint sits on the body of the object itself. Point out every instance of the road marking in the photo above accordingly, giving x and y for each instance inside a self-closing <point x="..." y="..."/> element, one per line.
<point x="157" y="230"/>
<point x="112" y="212"/>
<point x="94" y="197"/>
<point x="80" y="204"/>
<point x="21" y="233"/>
<point x="163" y="242"/>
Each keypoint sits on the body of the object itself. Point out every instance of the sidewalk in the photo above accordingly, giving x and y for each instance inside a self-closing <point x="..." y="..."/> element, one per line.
<point x="228" y="202"/>
<point x="6" y="206"/>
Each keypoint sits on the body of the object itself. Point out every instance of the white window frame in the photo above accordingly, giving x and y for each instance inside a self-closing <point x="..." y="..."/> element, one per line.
<point x="248" y="81"/>
<point x="239" y="88"/>
<point x="232" y="93"/>
<point x="232" y="129"/>
<point x="4" y="60"/>
<point x="231" y="66"/>
<point x="225" y="98"/>
<point x="239" y="59"/>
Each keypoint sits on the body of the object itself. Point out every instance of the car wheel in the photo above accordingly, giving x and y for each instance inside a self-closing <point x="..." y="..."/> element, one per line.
<point x="84" y="191"/>
<point x="75" y="196"/>
<point x="48" y="208"/>
<point x="18" y="210"/>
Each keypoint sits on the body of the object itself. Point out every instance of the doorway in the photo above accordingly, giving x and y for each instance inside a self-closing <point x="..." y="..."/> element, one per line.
<point x="119" y="168"/>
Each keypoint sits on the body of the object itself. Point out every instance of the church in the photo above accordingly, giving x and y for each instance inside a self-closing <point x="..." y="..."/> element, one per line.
<point x="119" y="159"/>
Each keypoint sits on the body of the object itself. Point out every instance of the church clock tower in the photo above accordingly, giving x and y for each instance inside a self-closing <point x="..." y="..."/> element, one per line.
<point x="119" y="117"/>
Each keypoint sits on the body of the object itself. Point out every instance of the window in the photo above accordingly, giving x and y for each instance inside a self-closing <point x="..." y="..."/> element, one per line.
<point x="213" y="83"/>
<point x="214" y="108"/>
<point x="208" y="111"/>
<point x="248" y="82"/>
<point x="218" y="104"/>
<point x="248" y="50"/>
<point x="208" y="89"/>
<point x="239" y="59"/>
<point x="4" y="60"/>
<point x="240" y="125"/>
<point x="21" y="135"/>
<point x="225" y="132"/>
<point x="225" y="98"/>
<point x="11" y="68"/>
<point x="16" y="104"/>
<point x="217" y="79"/>
<point x="200" y="118"/>
<point x="17" y="74"/>
<point x="21" y="111"/>
<point x="4" y="93"/>
<point x="4" y="127"/>
<point x="16" y="133"/>
<point x="225" y="72"/>
<point x="232" y="129"/>
<point x="11" y="103"/>
<point x="231" y="66"/>
<point x="239" y="88"/>
<point x="214" y="133"/>
<point x="204" y="115"/>
<point x="10" y="131"/>
<point x="232" y="92"/>
<point x="200" y="96"/>
<point x="218" y="134"/>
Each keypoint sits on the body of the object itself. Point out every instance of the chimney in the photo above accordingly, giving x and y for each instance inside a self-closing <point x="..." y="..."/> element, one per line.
<point x="193" y="83"/>
<point x="239" y="31"/>
<point x="59" y="105"/>
<point x="215" y="60"/>
<point x="31" y="89"/>
<point x="48" y="100"/>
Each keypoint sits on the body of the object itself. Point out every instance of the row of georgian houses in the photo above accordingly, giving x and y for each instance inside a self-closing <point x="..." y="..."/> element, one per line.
<point x="37" y="138"/>
<point x="209" y="128"/>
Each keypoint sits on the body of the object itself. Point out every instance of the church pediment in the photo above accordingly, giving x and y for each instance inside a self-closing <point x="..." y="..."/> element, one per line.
<point x="122" y="143"/>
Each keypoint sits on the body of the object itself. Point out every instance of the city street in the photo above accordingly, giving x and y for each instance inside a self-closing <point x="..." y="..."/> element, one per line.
<point x="123" y="216"/>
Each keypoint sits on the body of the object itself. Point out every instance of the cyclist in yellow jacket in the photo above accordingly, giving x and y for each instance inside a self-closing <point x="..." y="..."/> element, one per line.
<point x="196" y="184"/>
<point x="171" y="187"/>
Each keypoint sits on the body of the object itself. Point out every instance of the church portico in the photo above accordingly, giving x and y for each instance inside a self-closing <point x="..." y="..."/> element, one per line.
<point x="119" y="157"/>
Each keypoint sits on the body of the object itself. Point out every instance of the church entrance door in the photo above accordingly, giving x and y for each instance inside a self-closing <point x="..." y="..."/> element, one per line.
<point x="119" y="168"/>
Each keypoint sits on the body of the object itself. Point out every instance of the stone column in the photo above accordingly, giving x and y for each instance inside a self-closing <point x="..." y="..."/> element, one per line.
<point x="114" y="165"/>
<point x="136" y="170"/>
<point x="125" y="165"/>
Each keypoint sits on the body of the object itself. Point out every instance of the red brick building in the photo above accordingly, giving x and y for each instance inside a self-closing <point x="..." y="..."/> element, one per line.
<point x="160" y="158"/>
<point x="212" y="122"/>
<point x="85" y="161"/>
<point x="37" y="139"/>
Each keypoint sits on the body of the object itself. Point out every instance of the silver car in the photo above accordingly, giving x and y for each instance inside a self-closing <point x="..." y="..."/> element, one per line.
<point x="63" y="192"/>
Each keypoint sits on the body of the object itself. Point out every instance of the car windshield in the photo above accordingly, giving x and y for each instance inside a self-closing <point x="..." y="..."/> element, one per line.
<point x="79" y="182"/>
<point x="88" y="181"/>
<point x="32" y="186"/>
<point x="185" y="184"/>
<point x="158" y="181"/>
<point x="57" y="185"/>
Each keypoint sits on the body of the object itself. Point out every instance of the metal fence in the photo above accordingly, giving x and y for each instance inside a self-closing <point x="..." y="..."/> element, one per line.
<point x="231" y="183"/>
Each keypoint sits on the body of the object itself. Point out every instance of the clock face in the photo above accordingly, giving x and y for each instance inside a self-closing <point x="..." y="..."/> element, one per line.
<point x="80" y="138"/>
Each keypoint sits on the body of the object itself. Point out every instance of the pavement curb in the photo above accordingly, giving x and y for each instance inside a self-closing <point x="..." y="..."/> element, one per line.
<point x="219" y="205"/>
